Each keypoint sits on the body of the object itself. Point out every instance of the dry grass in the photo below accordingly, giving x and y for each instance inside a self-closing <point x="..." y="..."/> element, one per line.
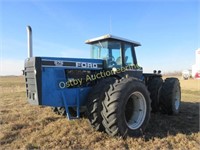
<point x="32" y="127"/>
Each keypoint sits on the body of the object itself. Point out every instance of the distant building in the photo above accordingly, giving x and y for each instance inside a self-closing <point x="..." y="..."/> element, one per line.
<point x="196" y="66"/>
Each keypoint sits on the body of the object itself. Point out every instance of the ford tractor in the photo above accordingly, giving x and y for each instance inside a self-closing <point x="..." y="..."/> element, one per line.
<point x="110" y="87"/>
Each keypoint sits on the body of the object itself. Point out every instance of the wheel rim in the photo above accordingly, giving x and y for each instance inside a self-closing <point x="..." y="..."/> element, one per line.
<point x="177" y="99"/>
<point x="135" y="110"/>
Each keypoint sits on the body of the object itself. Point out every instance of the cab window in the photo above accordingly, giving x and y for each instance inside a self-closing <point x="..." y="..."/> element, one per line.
<point x="128" y="57"/>
<point x="110" y="51"/>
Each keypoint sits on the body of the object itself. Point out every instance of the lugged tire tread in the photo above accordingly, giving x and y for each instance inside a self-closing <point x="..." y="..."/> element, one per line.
<point x="110" y="105"/>
<point x="154" y="86"/>
<point x="94" y="105"/>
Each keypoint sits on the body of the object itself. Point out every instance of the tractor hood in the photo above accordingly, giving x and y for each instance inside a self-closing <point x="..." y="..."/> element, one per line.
<point x="71" y="63"/>
<point x="47" y="79"/>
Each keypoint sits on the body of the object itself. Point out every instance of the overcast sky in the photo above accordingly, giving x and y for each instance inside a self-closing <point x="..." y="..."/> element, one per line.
<point x="167" y="29"/>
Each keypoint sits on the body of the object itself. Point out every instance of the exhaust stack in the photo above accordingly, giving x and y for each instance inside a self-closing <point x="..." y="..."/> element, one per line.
<point x="29" y="41"/>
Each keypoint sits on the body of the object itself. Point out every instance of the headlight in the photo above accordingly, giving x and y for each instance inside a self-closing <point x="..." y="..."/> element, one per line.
<point x="114" y="69"/>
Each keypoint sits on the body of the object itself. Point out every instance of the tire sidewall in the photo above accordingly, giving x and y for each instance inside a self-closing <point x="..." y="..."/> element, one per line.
<point x="175" y="88"/>
<point x="133" y="87"/>
<point x="168" y="96"/>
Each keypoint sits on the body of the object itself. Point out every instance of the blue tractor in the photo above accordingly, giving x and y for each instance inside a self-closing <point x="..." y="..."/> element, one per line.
<point x="110" y="88"/>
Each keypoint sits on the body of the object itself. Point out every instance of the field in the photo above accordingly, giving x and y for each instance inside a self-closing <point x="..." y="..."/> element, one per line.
<point x="24" y="126"/>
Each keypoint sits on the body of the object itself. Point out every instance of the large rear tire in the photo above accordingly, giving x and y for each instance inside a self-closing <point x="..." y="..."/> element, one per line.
<point x="94" y="104"/>
<point x="170" y="97"/>
<point x="126" y="108"/>
<point x="154" y="87"/>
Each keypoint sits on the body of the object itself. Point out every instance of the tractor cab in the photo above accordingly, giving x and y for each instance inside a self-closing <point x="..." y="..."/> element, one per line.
<point x="115" y="51"/>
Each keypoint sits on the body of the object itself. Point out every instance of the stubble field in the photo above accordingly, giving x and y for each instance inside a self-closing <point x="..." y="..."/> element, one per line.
<point x="23" y="126"/>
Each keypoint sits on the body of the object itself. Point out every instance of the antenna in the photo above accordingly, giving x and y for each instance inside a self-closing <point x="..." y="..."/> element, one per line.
<point x="110" y="24"/>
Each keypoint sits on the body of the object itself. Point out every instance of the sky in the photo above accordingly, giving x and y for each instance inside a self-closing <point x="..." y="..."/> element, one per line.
<point x="167" y="29"/>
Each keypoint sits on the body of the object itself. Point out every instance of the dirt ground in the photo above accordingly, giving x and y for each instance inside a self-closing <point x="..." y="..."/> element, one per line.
<point x="23" y="126"/>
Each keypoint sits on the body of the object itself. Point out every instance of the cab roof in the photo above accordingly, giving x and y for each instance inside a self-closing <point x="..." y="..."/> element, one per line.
<point x="111" y="37"/>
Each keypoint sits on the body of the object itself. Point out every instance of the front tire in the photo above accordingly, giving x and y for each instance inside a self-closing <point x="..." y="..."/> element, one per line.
<point x="126" y="108"/>
<point x="94" y="104"/>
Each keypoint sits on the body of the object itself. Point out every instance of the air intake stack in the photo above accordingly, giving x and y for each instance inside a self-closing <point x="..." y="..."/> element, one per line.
<point x="29" y="41"/>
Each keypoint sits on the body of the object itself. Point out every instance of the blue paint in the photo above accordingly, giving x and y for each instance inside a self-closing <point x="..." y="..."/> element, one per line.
<point x="53" y="95"/>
